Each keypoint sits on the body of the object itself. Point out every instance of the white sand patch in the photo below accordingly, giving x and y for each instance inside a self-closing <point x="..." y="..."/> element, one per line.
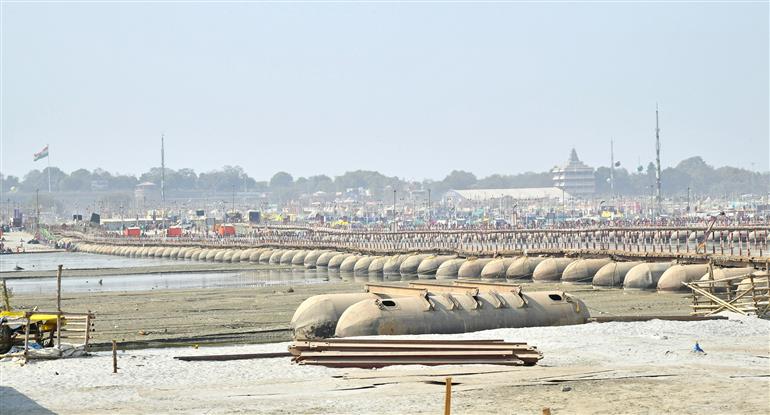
<point x="151" y="381"/>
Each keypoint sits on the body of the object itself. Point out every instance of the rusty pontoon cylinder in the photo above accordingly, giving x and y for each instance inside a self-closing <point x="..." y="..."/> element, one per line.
<point x="430" y="265"/>
<point x="375" y="267"/>
<point x="613" y="274"/>
<point x="323" y="259"/>
<point x="288" y="256"/>
<point x="672" y="279"/>
<point x="645" y="276"/>
<point x="336" y="261"/>
<point x="298" y="260"/>
<point x="459" y="313"/>
<point x="496" y="268"/>
<point x="196" y="254"/>
<point x="722" y="273"/>
<point x="408" y="268"/>
<point x="264" y="257"/>
<point x="255" y="255"/>
<point x="349" y="264"/>
<point x="449" y="269"/>
<point x="583" y="270"/>
<point x="523" y="267"/>
<point x="362" y="265"/>
<point x="275" y="257"/>
<point x="551" y="269"/>
<point x="317" y="317"/>
<point x="391" y="268"/>
<point x="246" y="254"/>
<point x="311" y="259"/>
<point x="472" y="267"/>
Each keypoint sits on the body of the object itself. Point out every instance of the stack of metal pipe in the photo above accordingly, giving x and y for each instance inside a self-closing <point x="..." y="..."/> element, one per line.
<point x="375" y="353"/>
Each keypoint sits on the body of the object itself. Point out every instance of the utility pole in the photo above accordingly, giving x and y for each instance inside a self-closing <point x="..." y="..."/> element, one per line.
<point x="233" y="200"/>
<point x="429" y="212"/>
<point x="688" y="199"/>
<point x="657" y="159"/>
<point x="163" y="178"/>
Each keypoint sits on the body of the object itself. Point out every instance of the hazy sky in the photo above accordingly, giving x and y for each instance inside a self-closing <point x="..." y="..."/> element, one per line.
<point x="413" y="90"/>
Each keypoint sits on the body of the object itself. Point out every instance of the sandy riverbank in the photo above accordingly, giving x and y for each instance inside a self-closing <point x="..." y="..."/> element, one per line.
<point x="17" y="242"/>
<point x="137" y="270"/>
<point x="619" y="368"/>
<point x="238" y="315"/>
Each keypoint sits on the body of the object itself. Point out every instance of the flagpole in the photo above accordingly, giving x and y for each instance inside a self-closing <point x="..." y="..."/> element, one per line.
<point x="49" y="167"/>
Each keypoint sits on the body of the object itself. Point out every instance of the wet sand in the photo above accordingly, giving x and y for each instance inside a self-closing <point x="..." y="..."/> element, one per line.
<point x="14" y="240"/>
<point x="262" y="314"/>
<point x="148" y="269"/>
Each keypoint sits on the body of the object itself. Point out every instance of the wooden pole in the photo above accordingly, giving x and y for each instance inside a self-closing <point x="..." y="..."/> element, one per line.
<point x="448" y="397"/>
<point x="58" y="332"/>
<point x="58" y="288"/>
<point x="88" y="331"/>
<point x="114" y="356"/>
<point x="6" y="299"/>
<point x="26" y="336"/>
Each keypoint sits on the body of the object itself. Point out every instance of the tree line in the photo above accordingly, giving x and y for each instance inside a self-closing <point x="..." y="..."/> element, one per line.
<point x="693" y="173"/>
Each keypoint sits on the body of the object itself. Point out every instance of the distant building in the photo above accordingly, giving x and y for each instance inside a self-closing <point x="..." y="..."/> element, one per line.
<point x="575" y="178"/>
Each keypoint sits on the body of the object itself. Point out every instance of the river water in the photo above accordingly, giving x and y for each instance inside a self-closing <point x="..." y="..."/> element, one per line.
<point x="170" y="281"/>
<point x="140" y="282"/>
<point x="74" y="260"/>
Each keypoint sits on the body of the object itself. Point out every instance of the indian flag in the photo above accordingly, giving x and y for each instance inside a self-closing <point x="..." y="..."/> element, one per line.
<point x="41" y="154"/>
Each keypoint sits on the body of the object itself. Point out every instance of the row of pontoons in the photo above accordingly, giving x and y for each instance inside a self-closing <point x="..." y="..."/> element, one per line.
<point x="601" y="272"/>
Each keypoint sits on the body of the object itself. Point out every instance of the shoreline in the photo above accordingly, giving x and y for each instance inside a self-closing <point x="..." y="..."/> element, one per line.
<point x="40" y="251"/>
<point x="237" y="315"/>
<point x="180" y="268"/>
<point x="628" y="368"/>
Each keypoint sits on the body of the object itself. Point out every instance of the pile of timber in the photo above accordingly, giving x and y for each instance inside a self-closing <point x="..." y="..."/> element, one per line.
<point x="744" y="294"/>
<point x="376" y="353"/>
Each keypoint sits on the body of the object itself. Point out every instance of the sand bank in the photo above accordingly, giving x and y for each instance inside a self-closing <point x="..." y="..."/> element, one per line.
<point x="237" y="315"/>
<point x="625" y="368"/>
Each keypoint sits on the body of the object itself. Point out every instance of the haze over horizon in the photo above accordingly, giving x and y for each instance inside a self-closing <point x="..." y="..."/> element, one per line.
<point x="409" y="90"/>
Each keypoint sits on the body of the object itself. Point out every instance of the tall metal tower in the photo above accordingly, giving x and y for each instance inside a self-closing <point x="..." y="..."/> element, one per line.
<point x="163" y="176"/>
<point x="658" y="198"/>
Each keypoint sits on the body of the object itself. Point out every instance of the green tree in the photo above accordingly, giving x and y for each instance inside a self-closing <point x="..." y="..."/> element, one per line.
<point x="281" y="180"/>
<point x="459" y="179"/>
<point x="79" y="181"/>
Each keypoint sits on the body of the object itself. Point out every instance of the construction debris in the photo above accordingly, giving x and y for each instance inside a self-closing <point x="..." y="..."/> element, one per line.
<point x="368" y="354"/>
<point x="227" y="357"/>
<point x="747" y="294"/>
<point x="29" y="331"/>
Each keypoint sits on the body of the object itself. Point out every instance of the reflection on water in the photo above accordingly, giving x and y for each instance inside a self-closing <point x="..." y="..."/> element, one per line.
<point x="75" y="260"/>
<point x="392" y="277"/>
<point x="170" y="281"/>
<point x="195" y="280"/>
<point x="335" y="275"/>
